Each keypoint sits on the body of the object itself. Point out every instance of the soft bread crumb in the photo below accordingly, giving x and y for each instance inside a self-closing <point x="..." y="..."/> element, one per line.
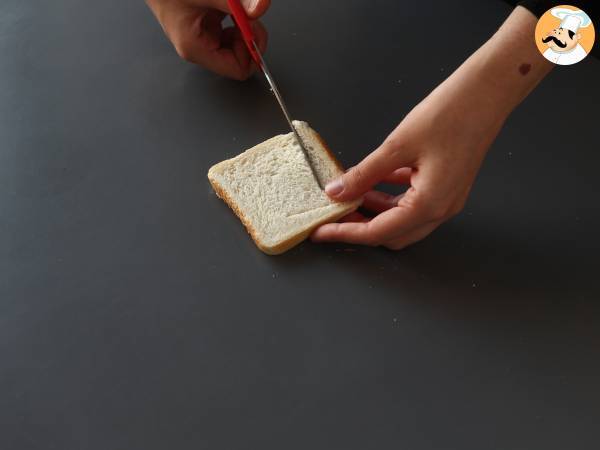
<point x="272" y="190"/>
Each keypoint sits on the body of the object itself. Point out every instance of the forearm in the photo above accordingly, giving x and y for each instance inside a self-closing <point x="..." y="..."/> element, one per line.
<point x="439" y="146"/>
<point x="514" y="65"/>
<point x="508" y="66"/>
<point x="487" y="87"/>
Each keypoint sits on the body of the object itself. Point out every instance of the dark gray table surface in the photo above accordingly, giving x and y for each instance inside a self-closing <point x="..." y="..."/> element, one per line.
<point x="135" y="312"/>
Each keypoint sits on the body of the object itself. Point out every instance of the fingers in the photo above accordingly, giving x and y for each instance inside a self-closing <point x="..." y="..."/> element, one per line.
<point x="349" y="232"/>
<point x="378" y="202"/>
<point x="370" y="171"/>
<point x="354" y="217"/>
<point x="399" y="176"/>
<point x="254" y="8"/>
<point x="232" y="39"/>
<point x="400" y="220"/>
<point x="413" y="237"/>
<point x="347" y="227"/>
<point x="261" y="35"/>
<point x="222" y="51"/>
<point x="392" y="224"/>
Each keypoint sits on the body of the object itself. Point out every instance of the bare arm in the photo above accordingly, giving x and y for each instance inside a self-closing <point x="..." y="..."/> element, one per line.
<point x="438" y="148"/>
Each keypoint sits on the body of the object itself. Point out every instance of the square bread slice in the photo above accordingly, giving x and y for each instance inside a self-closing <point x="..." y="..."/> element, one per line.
<point x="274" y="193"/>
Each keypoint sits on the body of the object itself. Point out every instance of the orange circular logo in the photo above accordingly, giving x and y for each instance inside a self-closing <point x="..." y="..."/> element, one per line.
<point x="565" y="35"/>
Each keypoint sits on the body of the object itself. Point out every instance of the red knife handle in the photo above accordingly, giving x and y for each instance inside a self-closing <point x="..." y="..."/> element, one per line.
<point x="243" y="23"/>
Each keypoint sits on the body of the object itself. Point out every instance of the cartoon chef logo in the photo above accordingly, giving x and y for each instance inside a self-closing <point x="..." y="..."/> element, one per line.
<point x="565" y="35"/>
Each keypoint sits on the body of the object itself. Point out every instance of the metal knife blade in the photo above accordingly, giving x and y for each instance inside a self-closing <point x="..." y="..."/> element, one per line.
<point x="286" y="113"/>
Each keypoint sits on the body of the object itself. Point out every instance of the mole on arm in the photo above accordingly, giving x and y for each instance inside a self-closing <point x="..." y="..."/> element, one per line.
<point x="524" y="69"/>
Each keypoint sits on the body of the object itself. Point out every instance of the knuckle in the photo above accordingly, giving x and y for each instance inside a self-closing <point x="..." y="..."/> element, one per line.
<point x="372" y="237"/>
<point x="394" y="147"/>
<point x="356" y="175"/>
<point x="435" y="209"/>
<point x="393" y="143"/>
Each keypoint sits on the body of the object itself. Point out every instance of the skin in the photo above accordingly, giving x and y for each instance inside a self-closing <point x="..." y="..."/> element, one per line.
<point x="563" y="36"/>
<point x="436" y="150"/>
<point x="195" y="29"/>
<point x="439" y="147"/>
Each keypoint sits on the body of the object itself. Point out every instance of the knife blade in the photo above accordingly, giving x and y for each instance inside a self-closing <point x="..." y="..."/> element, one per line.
<point x="241" y="20"/>
<point x="286" y="113"/>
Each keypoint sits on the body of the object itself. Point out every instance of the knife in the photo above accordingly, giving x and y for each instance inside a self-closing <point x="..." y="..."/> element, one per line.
<point x="241" y="20"/>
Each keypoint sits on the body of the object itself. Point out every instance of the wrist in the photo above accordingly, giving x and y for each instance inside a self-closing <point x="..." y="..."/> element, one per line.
<point x="509" y="64"/>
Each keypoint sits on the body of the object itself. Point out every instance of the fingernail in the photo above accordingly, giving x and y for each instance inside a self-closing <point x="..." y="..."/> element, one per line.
<point x="334" y="188"/>
<point x="249" y="5"/>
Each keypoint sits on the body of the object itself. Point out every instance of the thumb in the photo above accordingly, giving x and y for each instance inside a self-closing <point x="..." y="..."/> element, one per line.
<point x="364" y="176"/>
<point x="254" y="8"/>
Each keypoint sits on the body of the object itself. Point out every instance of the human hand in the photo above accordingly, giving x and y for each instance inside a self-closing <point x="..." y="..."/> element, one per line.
<point x="195" y="29"/>
<point x="438" y="148"/>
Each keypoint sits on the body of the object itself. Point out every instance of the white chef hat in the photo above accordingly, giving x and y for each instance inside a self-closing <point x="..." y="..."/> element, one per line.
<point x="571" y="19"/>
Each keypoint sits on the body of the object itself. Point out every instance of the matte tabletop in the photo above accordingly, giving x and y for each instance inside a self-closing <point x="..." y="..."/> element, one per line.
<point x="136" y="313"/>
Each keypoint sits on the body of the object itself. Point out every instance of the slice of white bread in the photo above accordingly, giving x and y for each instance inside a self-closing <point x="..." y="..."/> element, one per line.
<point x="274" y="193"/>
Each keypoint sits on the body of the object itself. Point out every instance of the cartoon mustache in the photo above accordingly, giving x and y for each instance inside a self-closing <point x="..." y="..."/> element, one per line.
<point x="556" y="41"/>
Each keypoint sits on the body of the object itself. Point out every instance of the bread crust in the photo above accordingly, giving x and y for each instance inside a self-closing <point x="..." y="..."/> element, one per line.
<point x="329" y="152"/>
<point x="223" y="195"/>
<point x="294" y="240"/>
